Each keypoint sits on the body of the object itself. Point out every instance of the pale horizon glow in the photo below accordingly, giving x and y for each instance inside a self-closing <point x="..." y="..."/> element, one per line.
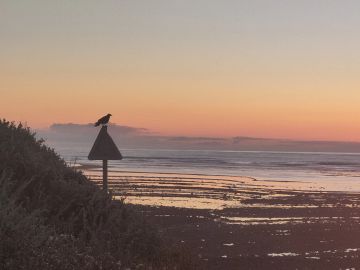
<point x="269" y="69"/>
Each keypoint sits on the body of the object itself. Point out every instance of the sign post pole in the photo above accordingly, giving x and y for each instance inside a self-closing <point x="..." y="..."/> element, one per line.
<point x="105" y="175"/>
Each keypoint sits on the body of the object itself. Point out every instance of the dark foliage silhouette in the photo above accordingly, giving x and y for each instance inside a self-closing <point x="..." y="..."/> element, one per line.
<point x="53" y="217"/>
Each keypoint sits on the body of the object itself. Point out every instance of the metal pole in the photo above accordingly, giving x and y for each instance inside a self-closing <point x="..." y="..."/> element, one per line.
<point x="105" y="175"/>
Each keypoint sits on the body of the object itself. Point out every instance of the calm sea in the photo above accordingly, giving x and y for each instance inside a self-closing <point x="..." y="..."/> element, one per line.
<point x="291" y="166"/>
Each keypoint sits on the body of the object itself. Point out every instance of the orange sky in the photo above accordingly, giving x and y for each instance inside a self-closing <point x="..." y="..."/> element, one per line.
<point x="205" y="70"/>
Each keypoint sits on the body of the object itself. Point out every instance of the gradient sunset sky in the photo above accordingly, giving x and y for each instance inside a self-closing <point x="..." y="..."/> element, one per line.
<point x="278" y="69"/>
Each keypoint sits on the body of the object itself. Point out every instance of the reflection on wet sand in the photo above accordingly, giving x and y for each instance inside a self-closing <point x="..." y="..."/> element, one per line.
<point x="241" y="223"/>
<point x="195" y="191"/>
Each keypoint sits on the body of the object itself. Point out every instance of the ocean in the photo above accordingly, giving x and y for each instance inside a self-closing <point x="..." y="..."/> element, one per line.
<point x="342" y="168"/>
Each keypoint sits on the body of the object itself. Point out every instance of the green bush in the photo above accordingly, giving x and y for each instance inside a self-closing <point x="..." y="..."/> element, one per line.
<point x="53" y="217"/>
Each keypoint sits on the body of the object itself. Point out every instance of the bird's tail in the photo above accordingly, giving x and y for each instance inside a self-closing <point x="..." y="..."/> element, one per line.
<point x="97" y="124"/>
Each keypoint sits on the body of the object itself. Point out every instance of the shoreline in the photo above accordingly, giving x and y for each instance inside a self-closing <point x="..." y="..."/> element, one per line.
<point x="87" y="167"/>
<point x="339" y="183"/>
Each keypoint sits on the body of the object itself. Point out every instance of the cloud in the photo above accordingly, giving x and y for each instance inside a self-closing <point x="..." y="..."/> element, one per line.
<point x="81" y="128"/>
<point x="193" y="139"/>
<point x="71" y="134"/>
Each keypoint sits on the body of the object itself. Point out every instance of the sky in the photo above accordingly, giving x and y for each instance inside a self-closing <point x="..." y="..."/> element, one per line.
<point x="269" y="69"/>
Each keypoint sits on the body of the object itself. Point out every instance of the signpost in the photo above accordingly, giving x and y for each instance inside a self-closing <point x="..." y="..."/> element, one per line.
<point x="104" y="149"/>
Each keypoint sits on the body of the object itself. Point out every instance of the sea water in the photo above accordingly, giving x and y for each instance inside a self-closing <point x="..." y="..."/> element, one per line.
<point x="342" y="168"/>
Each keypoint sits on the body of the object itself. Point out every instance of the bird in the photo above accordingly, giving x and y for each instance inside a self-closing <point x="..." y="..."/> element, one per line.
<point x="103" y="120"/>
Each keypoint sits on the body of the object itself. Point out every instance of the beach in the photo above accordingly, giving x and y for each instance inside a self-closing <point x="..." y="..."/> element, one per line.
<point x="180" y="135"/>
<point x="238" y="222"/>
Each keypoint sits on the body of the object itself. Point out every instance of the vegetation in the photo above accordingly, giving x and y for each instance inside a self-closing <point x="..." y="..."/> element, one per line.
<point x="53" y="217"/>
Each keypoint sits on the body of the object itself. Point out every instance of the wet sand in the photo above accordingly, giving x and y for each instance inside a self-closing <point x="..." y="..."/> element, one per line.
<point x="241" y="223"/>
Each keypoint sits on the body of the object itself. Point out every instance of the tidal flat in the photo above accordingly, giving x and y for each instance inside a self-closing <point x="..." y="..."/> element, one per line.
<point x="233" y="222"/>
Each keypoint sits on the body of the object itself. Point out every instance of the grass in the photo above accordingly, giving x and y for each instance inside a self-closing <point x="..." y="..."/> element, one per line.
<point x="53" y="217"/>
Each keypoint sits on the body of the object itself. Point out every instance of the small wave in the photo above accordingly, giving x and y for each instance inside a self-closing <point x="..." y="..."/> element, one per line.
<point x="338" y="163"/>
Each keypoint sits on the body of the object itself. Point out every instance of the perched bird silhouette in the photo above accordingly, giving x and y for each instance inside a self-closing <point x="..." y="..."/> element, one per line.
<point x="103" y="120"/>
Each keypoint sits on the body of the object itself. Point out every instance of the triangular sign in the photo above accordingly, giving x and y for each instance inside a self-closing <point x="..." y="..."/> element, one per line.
<point x="104" y="147"/>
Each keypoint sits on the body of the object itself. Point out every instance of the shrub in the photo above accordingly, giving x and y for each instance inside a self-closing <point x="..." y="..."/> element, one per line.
<point x="53" y="217"/>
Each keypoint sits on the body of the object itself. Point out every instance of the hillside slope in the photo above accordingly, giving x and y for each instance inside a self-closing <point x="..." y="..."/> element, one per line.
<point x="53" y="217"/>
